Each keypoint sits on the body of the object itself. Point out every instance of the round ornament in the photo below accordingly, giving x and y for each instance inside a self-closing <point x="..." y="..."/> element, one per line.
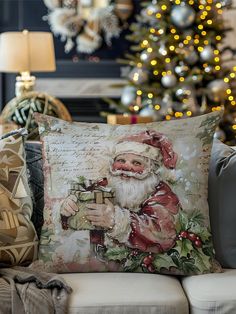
<point x="169" y="80"/>
<point x="138" y="75"/>
<point x="207" y="54"/>
<point x="191" y="57"/>
<point x="216" y="90"/>
<point x="181" y="69"/>
<point x="182" y="15"/>
<point x="124" y="9"/>
<point x="220" y="134"/>
<point x="128" y="95"/>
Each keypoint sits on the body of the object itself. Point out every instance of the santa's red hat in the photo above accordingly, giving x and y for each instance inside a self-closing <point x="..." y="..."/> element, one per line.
<point x="150" y="144"/>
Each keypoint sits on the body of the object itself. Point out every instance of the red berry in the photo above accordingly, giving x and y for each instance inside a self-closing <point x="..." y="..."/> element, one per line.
<point x="147" y="260"/>
<point x="151" y="268"/>
<point x="192" y="237"/>
<point x="198" y="243"/>
<point x="184" y="234"/>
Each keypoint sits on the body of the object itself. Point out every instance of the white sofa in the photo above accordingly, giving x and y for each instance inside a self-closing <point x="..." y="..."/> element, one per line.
<point x="138" y="293"/>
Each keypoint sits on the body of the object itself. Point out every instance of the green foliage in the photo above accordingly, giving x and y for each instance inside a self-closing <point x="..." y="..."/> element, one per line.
<point x="163" y="261"/>
<point x="134" y="263"/>
<point x="117" y="253"/>
<point x="185" y="264"/>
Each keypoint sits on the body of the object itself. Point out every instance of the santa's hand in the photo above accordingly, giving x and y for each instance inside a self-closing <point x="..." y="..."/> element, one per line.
<point x="69" y="206"/>
<point x="101" y="215"/>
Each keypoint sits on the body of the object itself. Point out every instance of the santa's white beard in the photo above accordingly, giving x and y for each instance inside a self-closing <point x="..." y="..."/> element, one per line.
<point x="131" y="192"/>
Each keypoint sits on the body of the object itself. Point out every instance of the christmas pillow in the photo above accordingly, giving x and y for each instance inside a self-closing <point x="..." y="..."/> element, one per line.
<point x="127" y="198"/>
<point x="18" y="239"/>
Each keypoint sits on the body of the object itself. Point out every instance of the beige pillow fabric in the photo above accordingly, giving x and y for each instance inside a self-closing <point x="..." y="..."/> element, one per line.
<point x="18" y="240"/>
<point x="127" y="198"/>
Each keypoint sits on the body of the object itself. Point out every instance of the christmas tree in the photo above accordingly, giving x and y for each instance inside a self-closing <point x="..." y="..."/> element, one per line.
<point x="178" y="65"/>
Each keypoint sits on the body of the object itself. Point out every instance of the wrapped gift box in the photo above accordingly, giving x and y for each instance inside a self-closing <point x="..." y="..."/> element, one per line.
<point x="92" y="194"/>
<point x="127" y="119"/>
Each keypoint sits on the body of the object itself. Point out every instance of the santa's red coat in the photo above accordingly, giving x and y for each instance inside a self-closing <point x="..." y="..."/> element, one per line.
<point x="153" y="228"/>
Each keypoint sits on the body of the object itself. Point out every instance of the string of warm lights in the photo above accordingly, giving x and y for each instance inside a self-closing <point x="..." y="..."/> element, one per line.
<point x="178" y="70"/>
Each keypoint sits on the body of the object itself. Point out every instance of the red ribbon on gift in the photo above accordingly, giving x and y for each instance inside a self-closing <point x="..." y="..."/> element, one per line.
<point x="98" y="184"/>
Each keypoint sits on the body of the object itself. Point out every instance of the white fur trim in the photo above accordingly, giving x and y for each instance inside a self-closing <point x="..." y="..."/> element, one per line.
<point x="87" y="45"/>
<point x="121" y="229"/>
<point x="137" y="148"/>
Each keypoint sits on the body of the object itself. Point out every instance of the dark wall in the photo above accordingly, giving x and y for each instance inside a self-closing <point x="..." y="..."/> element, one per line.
<point x="16" y="15"/>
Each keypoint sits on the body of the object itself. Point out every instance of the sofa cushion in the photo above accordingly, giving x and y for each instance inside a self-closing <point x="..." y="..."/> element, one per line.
<point x="127" y="198"/>
<point x="222" y="200"/>
<point x="211" y="293"/>
<point x="96" y="293"/>
<point x="18" y="239"/>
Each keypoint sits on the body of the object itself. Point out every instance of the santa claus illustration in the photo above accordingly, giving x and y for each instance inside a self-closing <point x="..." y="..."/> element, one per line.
<point x="143" y="216"/>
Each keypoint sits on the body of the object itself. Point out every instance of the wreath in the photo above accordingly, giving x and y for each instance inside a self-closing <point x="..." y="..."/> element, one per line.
<point x="21" y="109"/>
<point x="87" y="23"/>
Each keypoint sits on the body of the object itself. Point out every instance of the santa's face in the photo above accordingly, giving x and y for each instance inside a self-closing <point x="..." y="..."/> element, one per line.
<point x="129" y="163"/>
<point x="133" y="179"/>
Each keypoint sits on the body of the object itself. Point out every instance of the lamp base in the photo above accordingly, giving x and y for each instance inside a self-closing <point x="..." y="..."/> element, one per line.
<point x="24" y="84"/>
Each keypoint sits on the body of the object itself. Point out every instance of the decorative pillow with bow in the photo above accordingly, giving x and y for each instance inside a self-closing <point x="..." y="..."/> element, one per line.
<point x="18" y="239"/>
<point x="127" y="197"/>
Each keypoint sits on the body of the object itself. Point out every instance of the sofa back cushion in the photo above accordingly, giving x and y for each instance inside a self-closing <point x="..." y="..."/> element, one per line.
<point x="222" y="202"/>
<point x="34" y="162"/>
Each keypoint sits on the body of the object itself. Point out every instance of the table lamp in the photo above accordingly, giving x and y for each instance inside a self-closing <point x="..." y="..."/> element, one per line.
<point x="25" y="52"/>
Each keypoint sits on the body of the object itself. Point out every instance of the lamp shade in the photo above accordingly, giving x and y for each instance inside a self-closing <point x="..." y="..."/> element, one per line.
<point x="27" y="52"/>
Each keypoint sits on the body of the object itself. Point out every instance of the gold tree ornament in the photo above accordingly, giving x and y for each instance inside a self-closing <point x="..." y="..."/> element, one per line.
<point x="87" y="23"/>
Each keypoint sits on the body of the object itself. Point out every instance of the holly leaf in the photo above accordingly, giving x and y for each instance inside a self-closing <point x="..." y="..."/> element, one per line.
<point x="163" y="261"/>
<point x="117" y="253"/>
<point x="201" y="260"/>
<point x="188" y="267"/>
<point x="133" y="264"/>
<point x="184" y="247"/>
<point x="208" y="249"/>
<point x="174" y="254"/>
